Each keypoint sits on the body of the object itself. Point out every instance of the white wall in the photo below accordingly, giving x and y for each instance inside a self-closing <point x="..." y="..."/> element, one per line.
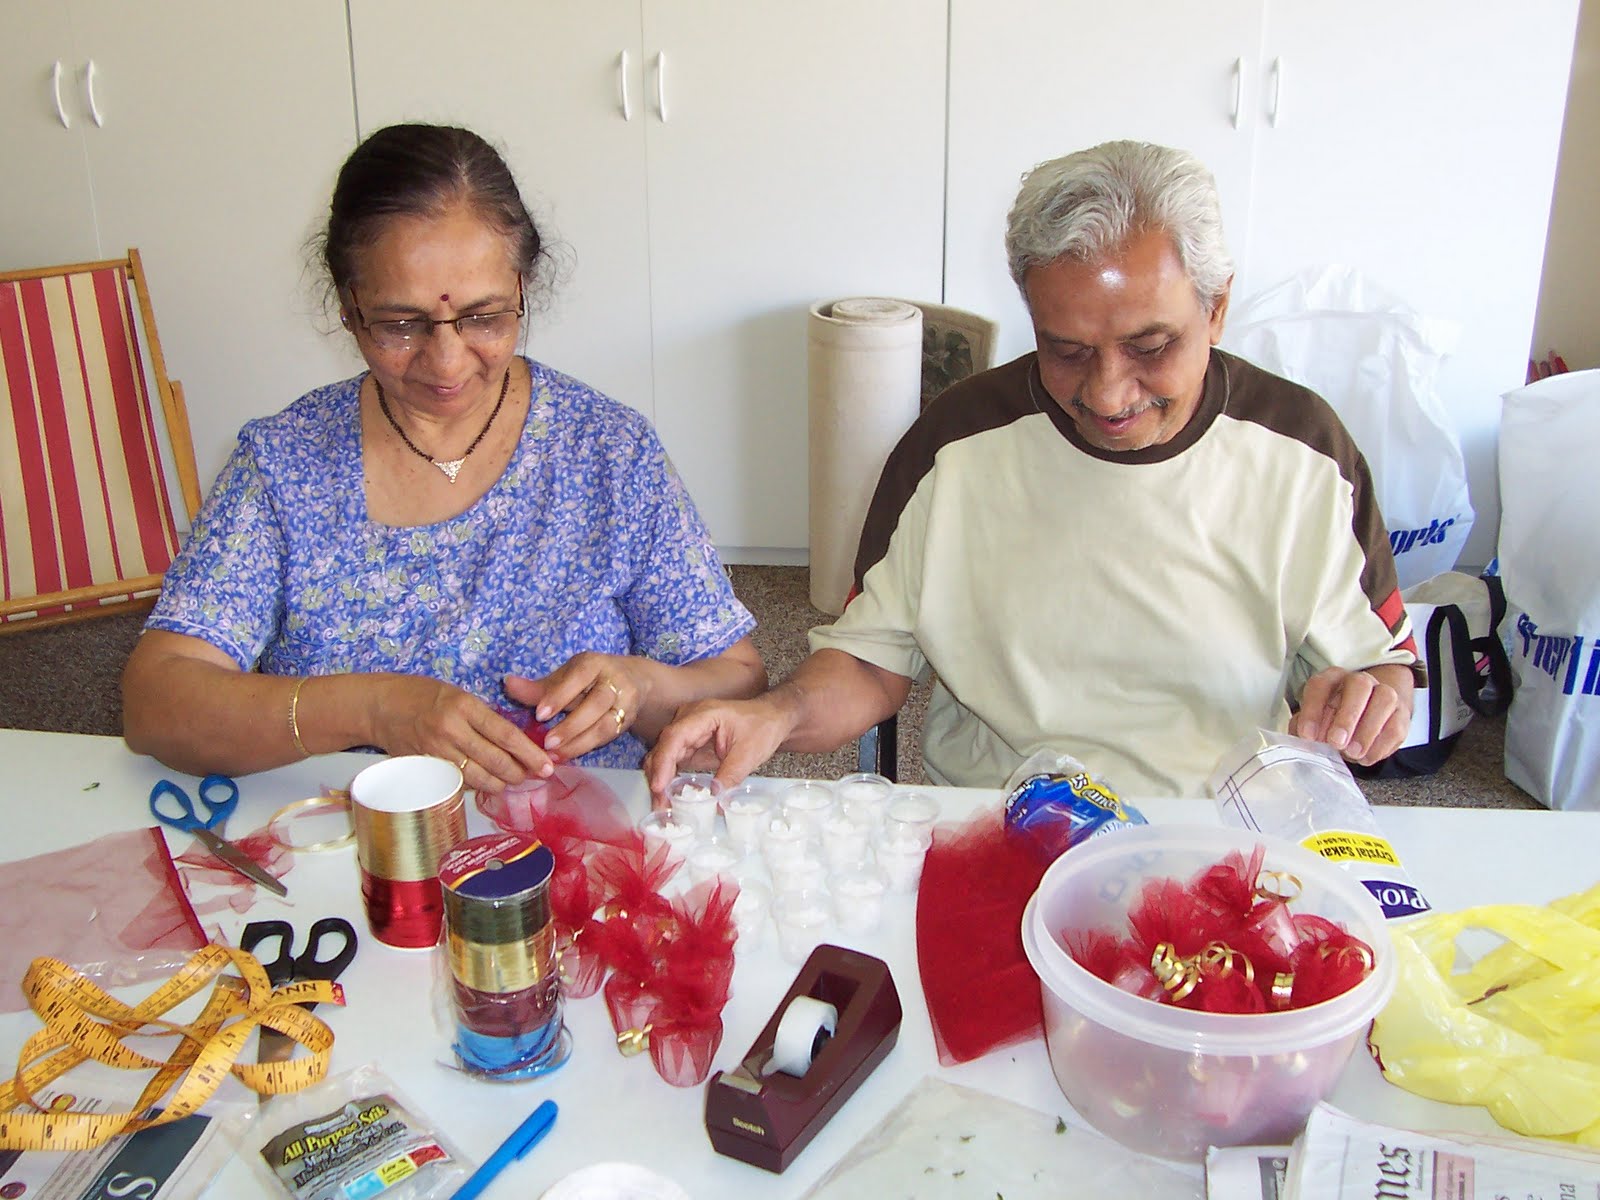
<point x="1568" y="319"/>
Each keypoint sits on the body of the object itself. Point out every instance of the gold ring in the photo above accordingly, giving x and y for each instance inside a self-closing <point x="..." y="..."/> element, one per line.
<point x="616" y="692"/>
<point x="618" y="713"/>
<point x="462" y="765"/>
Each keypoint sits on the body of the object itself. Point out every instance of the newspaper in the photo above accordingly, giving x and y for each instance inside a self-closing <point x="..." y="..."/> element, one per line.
<point x="1340" y="1157"/>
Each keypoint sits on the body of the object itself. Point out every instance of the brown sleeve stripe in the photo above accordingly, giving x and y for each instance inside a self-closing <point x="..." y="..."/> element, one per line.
<point x="1299" y="413"/>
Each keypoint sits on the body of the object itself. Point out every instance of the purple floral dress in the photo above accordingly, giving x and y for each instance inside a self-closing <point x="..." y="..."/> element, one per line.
<point x="588" y="541"/>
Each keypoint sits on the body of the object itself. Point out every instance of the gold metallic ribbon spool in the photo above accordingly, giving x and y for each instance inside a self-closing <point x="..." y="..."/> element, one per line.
<point x="503" y="967"/>
<point x="405" y="847"/>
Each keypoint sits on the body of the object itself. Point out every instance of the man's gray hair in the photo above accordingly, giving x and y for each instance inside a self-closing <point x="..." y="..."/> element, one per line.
<point x="1087" y="204"/>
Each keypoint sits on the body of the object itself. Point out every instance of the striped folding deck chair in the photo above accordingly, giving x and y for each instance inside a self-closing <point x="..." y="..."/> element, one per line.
<point x="87" y="524"/>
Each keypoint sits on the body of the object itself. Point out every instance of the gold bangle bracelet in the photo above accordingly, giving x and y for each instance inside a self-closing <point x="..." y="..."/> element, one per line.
<point x="294" y="717"/>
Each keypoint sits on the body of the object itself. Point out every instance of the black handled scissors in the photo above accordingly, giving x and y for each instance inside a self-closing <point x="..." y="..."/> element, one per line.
<point x="287" y="966"/>
<point x="219" y="796"/>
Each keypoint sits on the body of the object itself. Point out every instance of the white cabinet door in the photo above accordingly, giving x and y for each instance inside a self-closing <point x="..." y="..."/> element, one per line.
<point x="46" y="209"/>
<point x="1031" y="81"/>
<point x="544" y="82"/>
<point x="799" y="158"/>
<point x="1418" y="142"/>
<point x="223" y="126"/>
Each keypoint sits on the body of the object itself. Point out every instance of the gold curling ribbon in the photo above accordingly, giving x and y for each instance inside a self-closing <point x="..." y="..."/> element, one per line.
<point x="503" y="967"/>
<point x="83" y="1022"/>
<point x="1180" y="976"/>
<point x="1287" y="887"/>
<point x="331" y="800"/>
<point x="634" y="1041"/>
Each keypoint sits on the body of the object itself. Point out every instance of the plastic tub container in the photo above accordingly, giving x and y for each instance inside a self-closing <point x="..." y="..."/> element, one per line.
<point x="1162" y="1079"/>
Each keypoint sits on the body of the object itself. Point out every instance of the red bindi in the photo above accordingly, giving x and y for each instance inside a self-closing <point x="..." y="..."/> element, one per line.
<point x="445" y="297"/>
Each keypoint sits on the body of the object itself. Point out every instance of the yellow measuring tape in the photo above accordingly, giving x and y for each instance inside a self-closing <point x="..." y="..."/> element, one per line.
<point x="83" y="1022"/>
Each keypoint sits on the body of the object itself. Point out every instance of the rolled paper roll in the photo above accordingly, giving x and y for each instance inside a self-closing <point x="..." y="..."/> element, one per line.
<point x="864" y="369"/>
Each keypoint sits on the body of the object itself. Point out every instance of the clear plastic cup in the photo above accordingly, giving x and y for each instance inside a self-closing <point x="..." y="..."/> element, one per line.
<point x="710" y="859"/>
<point x="910" y="817"/>
<point x="846" y="841"/>
<point x="746" y="810"/>
<point x="750" y="910"/>
<point x="802" y="920"/>
<point x="858" y="898"/>
<point x="783" y="841"/>
<point x="665" y="828"/>
<point x="694" y="798"/>
<point x="807" y="873"/>
<point x="808" y="803"/>
<point x="900" y="859"/>
<point x="864" y="796"/>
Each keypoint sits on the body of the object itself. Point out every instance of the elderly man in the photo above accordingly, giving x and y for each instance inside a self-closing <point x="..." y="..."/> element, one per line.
<point x="1129" y="546"/>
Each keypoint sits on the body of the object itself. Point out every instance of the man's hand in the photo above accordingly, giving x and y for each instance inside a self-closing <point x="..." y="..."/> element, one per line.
<point x="730" y="737"/>
<point x="1364" y="715"/>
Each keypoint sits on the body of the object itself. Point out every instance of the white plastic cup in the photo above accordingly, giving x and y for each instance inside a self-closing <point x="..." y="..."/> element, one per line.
<point x="663" y="827"/>
<point x="845" y="841"/>
<point x="710" y="859"/>
<point x="694" y="799"/>
<point x="807" y="873"/>
<point x="746" y="810"/>
<point x="807" y="803"/>
<point x="900" y="859"/>
<point x="858" y="899"/>
<point x="864" y="796"/>
<point x="750" y="910"/>
<point x="783" y="841"/>
<point x="802" y="920"/>
<point x="910" y="817"/>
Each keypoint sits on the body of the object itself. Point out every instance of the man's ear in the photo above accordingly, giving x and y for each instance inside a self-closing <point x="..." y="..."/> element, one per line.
<point x="1219" y="312"/>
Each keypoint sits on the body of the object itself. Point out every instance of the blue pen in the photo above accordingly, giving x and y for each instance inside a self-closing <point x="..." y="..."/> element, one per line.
<point x="527" y="1136"/>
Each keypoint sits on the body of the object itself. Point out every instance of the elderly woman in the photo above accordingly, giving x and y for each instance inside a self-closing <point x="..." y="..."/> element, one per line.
<point x="392" y="559"/>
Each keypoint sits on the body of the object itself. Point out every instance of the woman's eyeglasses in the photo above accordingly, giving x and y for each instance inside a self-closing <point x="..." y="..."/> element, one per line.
<point x="476" y="329"/>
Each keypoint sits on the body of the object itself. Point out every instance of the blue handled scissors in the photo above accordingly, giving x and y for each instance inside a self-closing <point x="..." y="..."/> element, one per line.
<point x="219" y="796"/>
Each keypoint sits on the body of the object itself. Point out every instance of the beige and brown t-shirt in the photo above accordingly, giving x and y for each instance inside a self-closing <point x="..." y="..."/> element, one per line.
<point x="1139" y="611"/>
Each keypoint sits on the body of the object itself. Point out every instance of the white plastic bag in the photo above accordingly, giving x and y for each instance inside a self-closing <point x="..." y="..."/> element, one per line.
<point x="1550" y="561"/>
<point x="1376" y="362"/>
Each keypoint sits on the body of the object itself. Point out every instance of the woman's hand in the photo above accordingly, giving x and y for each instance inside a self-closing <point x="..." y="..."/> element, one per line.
<point x="601" y="694"/>
<point x="413" y="714"/>
<point x="604" y="695"/>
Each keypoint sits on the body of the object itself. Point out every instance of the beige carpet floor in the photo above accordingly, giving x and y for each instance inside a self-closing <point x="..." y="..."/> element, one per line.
<point x="65" y="678"/>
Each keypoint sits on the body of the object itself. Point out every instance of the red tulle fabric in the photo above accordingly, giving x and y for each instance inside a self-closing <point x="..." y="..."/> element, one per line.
<point x="1227" y="941"/>
<point x="113" y="908"/>
<point x="197" y="865"/>
<point x="980" y="990"/>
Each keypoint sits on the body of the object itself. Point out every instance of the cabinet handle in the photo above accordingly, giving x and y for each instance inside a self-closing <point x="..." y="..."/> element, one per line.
<point x="661" y="85"/>
<point x="1277" y="92"/>
<point x="88" y="91"/>
<point x="1238" y="90"/>
<point x="622" y="86"/>
<point x="55" y="84"/>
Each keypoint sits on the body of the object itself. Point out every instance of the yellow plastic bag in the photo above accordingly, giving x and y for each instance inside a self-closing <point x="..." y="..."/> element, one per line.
<point x="1519" y="1032"/>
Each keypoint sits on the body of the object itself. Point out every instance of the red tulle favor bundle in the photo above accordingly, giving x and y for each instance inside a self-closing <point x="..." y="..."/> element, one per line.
<point x="980" y="990"/>
<point x="666" y="966"/>
<point x="1227" y="941"/>
<point x="671" y="974"/>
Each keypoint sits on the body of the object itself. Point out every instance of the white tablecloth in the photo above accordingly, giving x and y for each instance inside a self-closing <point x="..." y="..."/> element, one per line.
<point x="615" y="1108"/>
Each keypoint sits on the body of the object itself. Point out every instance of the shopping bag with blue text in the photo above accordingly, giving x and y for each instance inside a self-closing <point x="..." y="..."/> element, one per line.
<point x="1550" y="561"/>
<point x="1364" y="351"/>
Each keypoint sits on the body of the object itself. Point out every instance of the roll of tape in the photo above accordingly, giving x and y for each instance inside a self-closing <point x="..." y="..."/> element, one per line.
<point x="803" y="1030"/>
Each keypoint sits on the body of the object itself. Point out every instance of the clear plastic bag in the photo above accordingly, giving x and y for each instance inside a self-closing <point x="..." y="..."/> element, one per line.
<point x="1302" y="790"/>
<point x="351" y="1135"/>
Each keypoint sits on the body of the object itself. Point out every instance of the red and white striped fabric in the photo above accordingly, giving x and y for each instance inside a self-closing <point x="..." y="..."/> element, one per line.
<point x="83" y="497"/>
